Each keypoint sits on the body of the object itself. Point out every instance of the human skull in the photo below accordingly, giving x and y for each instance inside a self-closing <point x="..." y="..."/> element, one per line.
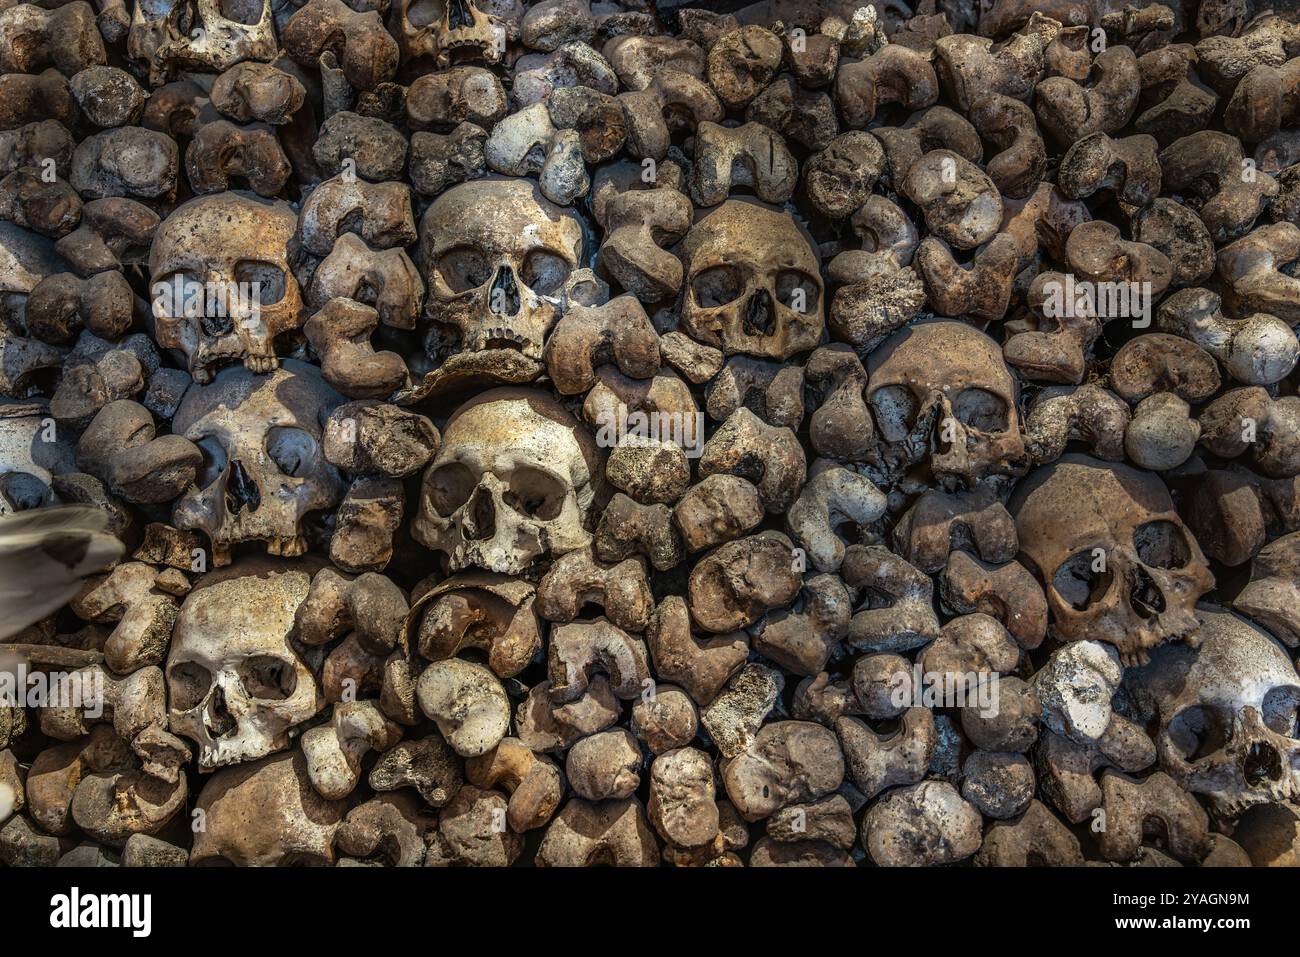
<point x="206" y="256"/>
<point x="32" y="451"/>
<point x="263" y="468"/>
<point x="515" y="480"/>
<point x="1115" y="559"/>
<point x="455" y="31"/>
<point x="235" y="686"/>
<point x="1227" y="713"/>
<point x="943" y="387"/>
<point x="753" y="283"/>
<point x="205" y="35"/>
<point x="496" y="255"/>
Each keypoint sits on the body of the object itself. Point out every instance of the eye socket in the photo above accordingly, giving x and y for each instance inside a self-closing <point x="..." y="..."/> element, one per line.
<point x="188" y="684"/>
<point x="294" y="451"/>
<point x="896" y="410"/>
<point x="265" y="676"/>
<point x="421" y="13"/>
<point x="797" y="290"/>
<point x="980" y="410"/>
<point x="717" y="286"/>
<point x="179" y="295"/>
<point x="269" y="277"/>
<point x="214" y="461"/>
<point x="1280" y="706"/>
<point x="247" y="12"/>
<point x="463" y="268"/>
<point x="535" y="493"/>
<point x="1161" y="544"/>
<point x="1196" y="732"/>
<point x="450" y="487"/>
<point x="544" y="272"/>
<point x="1079" y="583"/>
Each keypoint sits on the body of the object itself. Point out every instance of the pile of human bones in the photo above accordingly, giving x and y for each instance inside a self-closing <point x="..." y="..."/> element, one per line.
<point x="415" y="574"/>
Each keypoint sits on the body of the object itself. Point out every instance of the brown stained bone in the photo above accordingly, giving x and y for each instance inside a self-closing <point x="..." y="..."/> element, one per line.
<point x="767" y="455"/>
<point x="1007" y="592"/>
<point x="340" y="334"/>
<point x="640" y="222"/>
<point x="617" y="332"/>
<point x="369" y="54"/>
<point x="576" y="580"/>
<point x="1207" y="165"/>
<point x="65" y="38"/>
<point x="1233" y="512"/>
<point x="532" y="780"/>
<point x="633" y="643"/>
<point x="968" y="68"/>
<point x="1269" y="596"/>
<point x="926" y="823"/>
<point x="734" y="585"/>
<point x="1256" y="349"/>
<point x="1089" y="414"/>
<point x="939" y="523"/>
<point x="935" y="128"/>
<point x="894" y="601"/>
<point x="1009" y="125"/>
<point x="584" y="834"/>
<point x="1255" y="271"/>
<point x="1159" y="362"/>
<point x="891" y="75"/>
<point x="1035" y="838"/>
<point x="1129" y="168"/>
<point x="1069" y="112"/>
<point x="1133" y="808"/>
<point x="700" y="666"/>
<point x="1248" y="422"/>
<point x="752" y="155"/>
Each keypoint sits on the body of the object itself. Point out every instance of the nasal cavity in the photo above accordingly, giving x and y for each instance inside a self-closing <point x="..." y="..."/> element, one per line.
<point x="220" y="721"/>
<point x="760" y="315"/>
<point x="241" y="490"/>
<point x="1262" y="763"/>
<point x="459" y="15"/>
<point x="480" y="516"/>
<point x="217" y="323"/>
<point x="503" y="297"/>
<point x="1145" y="596"/>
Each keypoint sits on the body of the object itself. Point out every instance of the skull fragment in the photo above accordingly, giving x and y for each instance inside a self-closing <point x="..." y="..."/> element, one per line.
<point x="454" y="31"/>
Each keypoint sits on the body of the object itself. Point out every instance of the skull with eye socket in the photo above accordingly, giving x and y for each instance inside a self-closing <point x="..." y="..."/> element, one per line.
<point x="1115" y="559"/>
<point x="753" y="283"/>
<point x="263" y="467"/>
<point x="517" y="479"/>
<point x="221" y="284"/>
<point x="455" y="31"/>
<point x="942" y="389"/>
<point x="496" y="255"/>
<point x="235" y="684"/>
<point x="1226" y="713"/>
